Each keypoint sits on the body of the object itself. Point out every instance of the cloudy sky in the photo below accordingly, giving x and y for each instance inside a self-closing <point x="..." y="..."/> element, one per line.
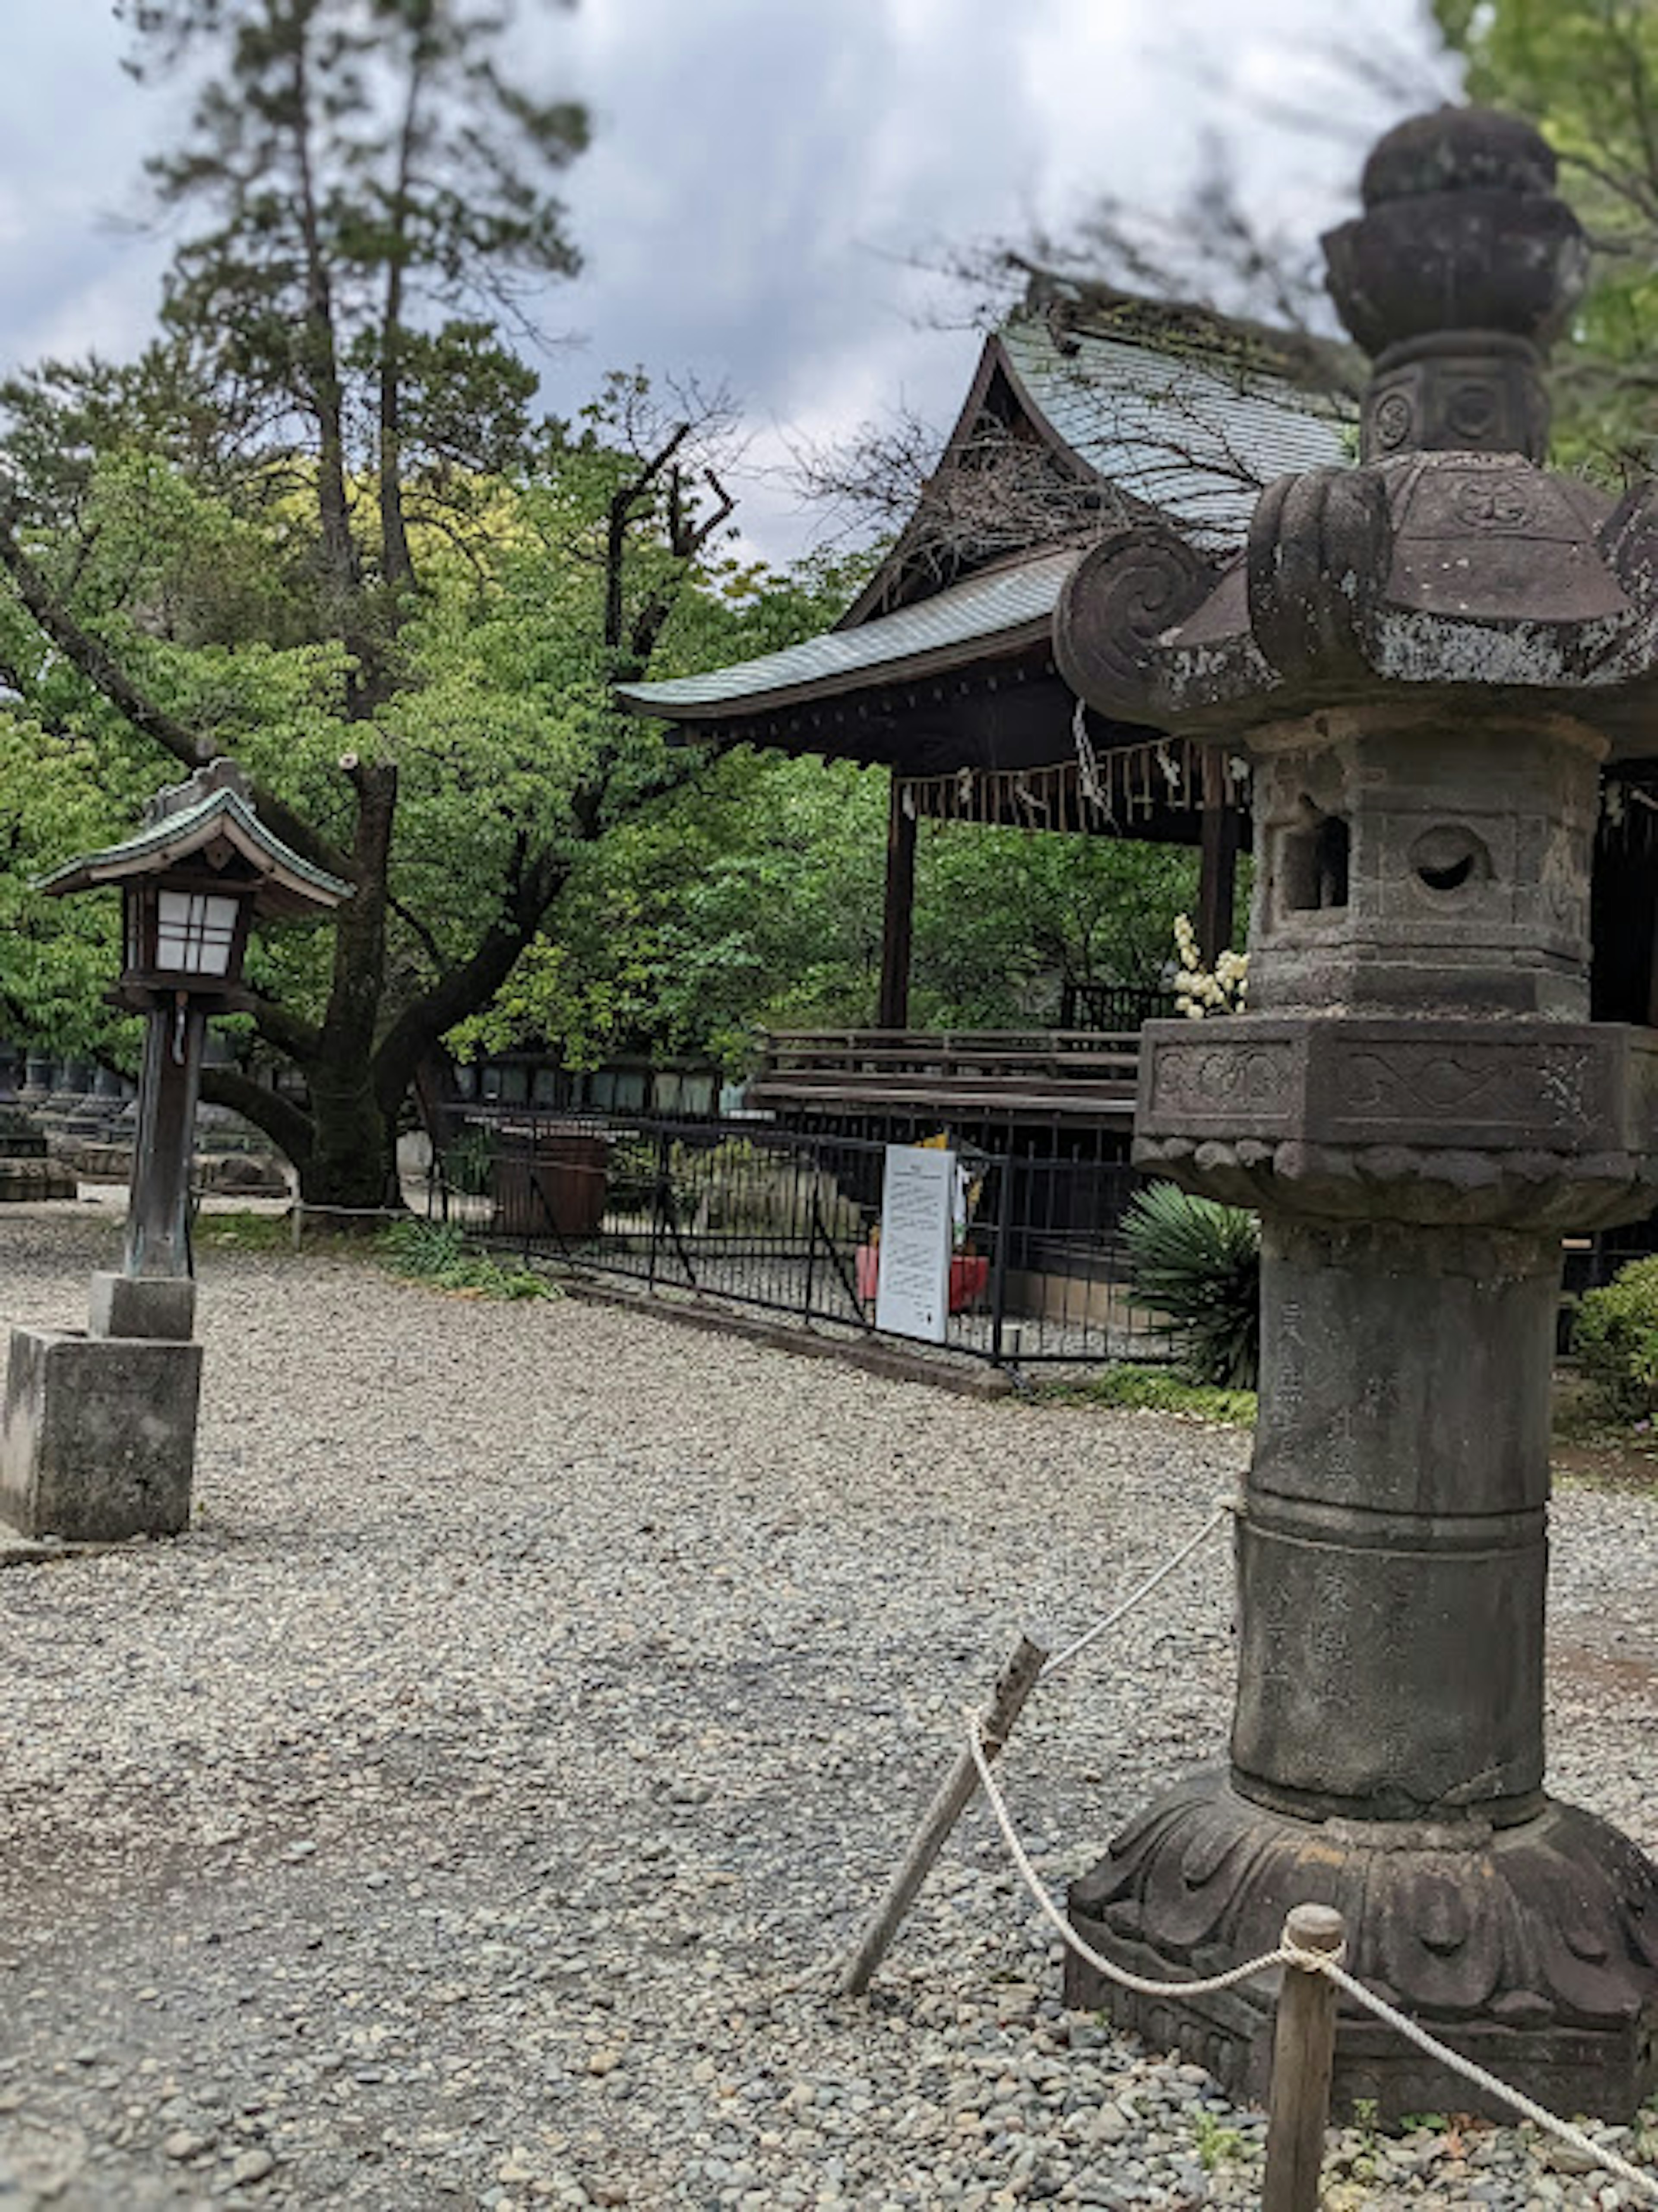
<point x="765" y="179"/>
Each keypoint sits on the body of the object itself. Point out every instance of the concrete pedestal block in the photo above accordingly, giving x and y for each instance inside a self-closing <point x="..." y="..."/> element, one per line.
<point x="144" y="1305"/>
<point x="99" y="1436"/>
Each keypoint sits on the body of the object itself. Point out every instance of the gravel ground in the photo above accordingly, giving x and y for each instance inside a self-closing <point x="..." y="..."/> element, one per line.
<point x="467" y="1809"/>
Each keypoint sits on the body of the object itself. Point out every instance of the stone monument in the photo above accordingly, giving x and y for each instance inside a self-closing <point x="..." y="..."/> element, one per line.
<point x="28" y="1171"/>
<point x="1427" y="658"/>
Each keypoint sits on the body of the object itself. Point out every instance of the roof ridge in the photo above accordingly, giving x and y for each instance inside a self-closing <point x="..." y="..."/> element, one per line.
<point x="1187" y="329"/>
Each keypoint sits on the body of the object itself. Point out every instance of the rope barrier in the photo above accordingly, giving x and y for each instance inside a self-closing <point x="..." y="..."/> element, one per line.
<point x="1062" y="1926"/>
<point x="1322" y="1962"/>
<point x="1222" y="1512"/>
<point x="353" y="1213"/>
<point x="1327" y="1963"/>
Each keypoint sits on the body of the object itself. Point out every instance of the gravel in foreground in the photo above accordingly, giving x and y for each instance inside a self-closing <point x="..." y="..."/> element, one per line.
<point x="471" y="1809"/>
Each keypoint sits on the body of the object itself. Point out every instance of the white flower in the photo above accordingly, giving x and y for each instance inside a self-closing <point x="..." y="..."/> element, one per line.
<point x="1199" y="989"/>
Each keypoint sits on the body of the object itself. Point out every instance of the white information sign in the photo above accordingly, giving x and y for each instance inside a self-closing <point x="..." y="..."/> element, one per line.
<point x="918" y="1226"/>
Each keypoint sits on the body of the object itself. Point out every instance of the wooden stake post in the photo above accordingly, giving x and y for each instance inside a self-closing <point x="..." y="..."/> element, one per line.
<point x="1304" y="2046"/>
<point x="1016" y="1682"/>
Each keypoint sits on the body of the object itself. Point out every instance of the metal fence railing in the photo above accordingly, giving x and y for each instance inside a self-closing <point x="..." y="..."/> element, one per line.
<point x="747" y="1210"/>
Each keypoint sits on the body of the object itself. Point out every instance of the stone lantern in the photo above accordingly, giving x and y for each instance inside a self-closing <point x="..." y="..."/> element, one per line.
<point x="1428" y="659"/>
<point x="99" y="1436"/>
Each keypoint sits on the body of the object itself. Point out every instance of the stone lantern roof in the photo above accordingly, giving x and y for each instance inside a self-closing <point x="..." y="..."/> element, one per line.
<point x="1450" y="559"/>
<point x="209" y="819"/>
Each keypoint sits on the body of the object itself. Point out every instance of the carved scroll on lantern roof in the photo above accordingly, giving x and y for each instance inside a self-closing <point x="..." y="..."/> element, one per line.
<point x="1449" y="558"/>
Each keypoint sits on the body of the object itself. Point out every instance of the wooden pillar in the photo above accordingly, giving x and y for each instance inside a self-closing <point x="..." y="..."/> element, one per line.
<point x="1302" y="2047"/>
<point x="1623" y="920"/>
<point x="163" y="1145"/>
<point x="896" y="921"/>
<point x="1217" y="873"/>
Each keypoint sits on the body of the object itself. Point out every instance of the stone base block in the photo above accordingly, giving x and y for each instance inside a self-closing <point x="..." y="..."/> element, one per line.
<point x="1532" y="1949"/>
<point x="24" y="1180"/>
<point x="144" y="1305"/>
<point x="99" y="1436"/>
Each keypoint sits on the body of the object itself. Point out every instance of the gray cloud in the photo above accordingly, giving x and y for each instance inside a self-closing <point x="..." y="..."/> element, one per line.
<point x="763" y="175"/>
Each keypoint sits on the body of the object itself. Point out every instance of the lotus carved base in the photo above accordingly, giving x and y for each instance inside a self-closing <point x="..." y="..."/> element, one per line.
<point x="1532" y="1949"/>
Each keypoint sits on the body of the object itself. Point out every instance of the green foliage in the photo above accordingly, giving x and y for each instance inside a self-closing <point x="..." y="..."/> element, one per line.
<point x="469" y="1163"/>
<point x="1615" y="1337"/>
<point x="1154" y="1390"/>
<point x="1216" y="2144"/>
<point x="1586" y="72"/>
<point x="753" y="899"/>
<point x="373" y="192"/>
<point x="60" y="955"/>
<point x="245" y="1231"/>
<point x="315" y="527"/>
<point x="436" y="1252"/>
<point x="1200" y="1263"/>
<point x="1005" y="919"/>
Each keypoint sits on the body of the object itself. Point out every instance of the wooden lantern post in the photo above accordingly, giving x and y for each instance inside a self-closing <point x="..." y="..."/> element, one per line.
<point x="200" y="871"/>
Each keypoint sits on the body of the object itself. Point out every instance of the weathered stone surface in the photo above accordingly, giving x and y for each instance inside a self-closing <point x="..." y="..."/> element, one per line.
<point x="99" y="1436"/>
<point x="1409" y="862"/>
<point x="1128" y="589"/>
<point x="1545" y="1125"/>
<point x="1428" y="660"/>
<point x="1461" y="231"/>
<point x="142" y="1305"/>
<point x="1579" y="1089"/>
<point x="27" y="1170"/>
<point x="22" y="1183"/>
<point x="1529" y="1948"/>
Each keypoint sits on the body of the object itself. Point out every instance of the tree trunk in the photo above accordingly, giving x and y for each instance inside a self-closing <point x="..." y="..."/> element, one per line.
<point x="353" y="1158"/>
<point x="319" y="351"/>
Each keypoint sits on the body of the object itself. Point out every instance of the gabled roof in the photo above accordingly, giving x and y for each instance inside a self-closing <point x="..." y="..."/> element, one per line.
<point x="1122" y="408"/>
<point x="207" y="816"/>
<point x="1012" y="604"/>
<point x="1195" y="430"/>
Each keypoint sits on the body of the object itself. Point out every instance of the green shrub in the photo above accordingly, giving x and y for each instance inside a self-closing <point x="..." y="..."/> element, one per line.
<point x="1154" y="1390"/>
<point x="436" y="1252"/>
<point x="1200" y="1264"/>
<point x="1616" y="1339"/>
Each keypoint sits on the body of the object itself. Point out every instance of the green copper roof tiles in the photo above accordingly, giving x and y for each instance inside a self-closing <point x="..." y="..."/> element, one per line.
<point x="998" y="603"/>
<point x="1197" y="439"/>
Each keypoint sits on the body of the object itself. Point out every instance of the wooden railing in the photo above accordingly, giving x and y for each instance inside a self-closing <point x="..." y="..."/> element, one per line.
<point x="1082" y="1072"/>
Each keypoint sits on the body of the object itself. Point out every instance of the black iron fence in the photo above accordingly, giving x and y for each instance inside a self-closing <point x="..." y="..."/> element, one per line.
<point x="788" y="1221"/>
<point x="1114" y="1006"/>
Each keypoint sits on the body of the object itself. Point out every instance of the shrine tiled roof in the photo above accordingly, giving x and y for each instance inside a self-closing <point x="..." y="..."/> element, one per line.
<point x="1012" y="605"/>
<point x="1196" y="432"/>
<point x="1169" y="411"/>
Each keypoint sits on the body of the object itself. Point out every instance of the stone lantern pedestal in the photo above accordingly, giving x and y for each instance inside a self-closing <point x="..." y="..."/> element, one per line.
<point x="97" y="1436"/>
<point x="1428" y="659"/>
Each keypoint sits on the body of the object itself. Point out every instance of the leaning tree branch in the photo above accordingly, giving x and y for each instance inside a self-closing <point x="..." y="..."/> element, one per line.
<point x="104" y="673"/>
<point x="297" y="1039"/>
<point x="620" y="515"/>
<point x="470" y="985"/>
<point x="288" y="1125"/>
<point x="418" y="929"/>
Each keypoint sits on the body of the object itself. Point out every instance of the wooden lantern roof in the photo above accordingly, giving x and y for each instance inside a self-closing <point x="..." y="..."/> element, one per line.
<point x="208" y="822"/>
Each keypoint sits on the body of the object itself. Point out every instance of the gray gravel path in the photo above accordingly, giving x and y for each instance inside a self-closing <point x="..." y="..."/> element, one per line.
<point x="465" y="1811"/>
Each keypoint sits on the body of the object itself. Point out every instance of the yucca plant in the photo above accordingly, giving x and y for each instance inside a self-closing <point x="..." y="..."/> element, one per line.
<point x="1198" y="1263"/>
